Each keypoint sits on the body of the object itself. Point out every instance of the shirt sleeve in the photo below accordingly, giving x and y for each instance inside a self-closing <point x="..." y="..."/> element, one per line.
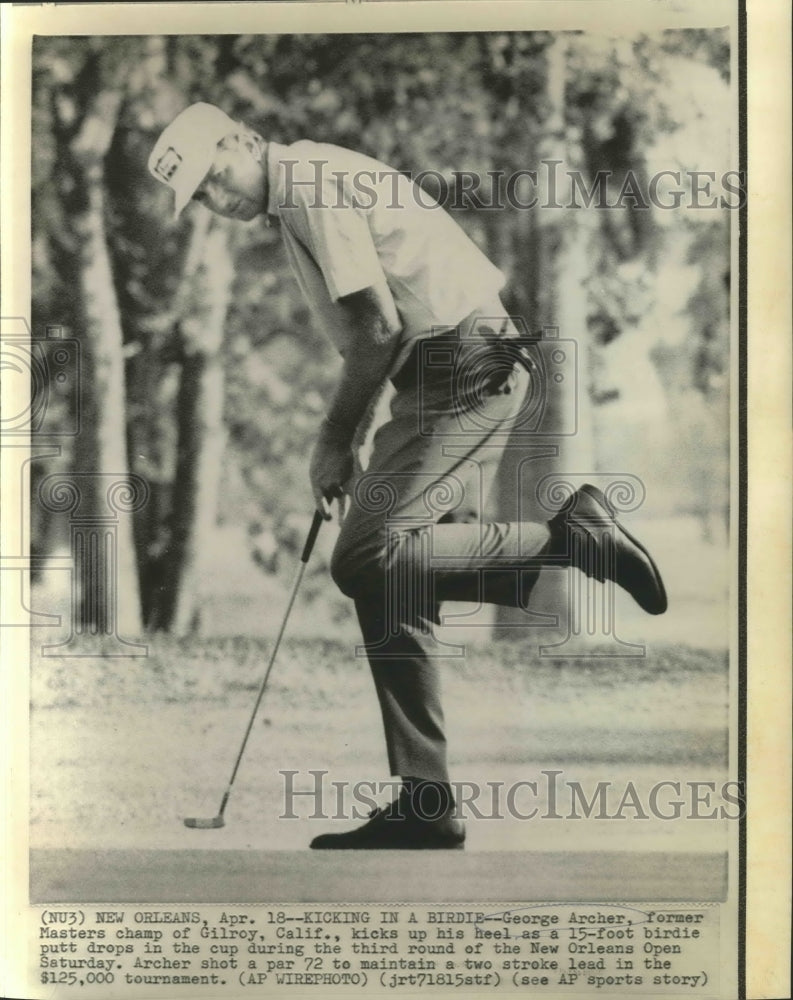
<point x="337" y="234"/>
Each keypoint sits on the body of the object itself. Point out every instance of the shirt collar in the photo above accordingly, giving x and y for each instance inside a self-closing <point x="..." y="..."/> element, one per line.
<point x="275" y="153"/>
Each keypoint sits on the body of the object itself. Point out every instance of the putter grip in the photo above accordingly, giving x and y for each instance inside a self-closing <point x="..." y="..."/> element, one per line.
<point x="316" y="524"/>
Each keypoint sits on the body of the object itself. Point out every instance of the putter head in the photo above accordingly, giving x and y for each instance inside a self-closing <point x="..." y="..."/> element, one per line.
<point x="205" y="824"/>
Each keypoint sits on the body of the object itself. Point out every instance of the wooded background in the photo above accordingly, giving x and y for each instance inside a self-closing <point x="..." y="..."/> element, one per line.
<point x="201" y="369"/>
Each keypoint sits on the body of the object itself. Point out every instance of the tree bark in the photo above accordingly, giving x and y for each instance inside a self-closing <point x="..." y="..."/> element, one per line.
<point x="201" y="432"/>
<point x="101" y="448"/>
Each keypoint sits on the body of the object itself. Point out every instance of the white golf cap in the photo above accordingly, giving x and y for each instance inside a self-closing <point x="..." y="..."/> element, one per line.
<point x="183" y="154"/>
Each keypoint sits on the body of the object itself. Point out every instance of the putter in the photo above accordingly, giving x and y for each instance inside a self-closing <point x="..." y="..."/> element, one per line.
<point x="215" y="822"/>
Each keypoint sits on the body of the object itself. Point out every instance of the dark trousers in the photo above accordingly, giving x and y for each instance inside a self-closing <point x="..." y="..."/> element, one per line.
<point x="415" y="535"/>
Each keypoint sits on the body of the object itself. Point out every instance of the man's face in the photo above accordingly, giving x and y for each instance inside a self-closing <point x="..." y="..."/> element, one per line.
<point x="236" y="185"/>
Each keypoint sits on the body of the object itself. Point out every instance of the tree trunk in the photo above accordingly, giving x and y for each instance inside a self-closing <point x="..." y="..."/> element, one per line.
<point x="102" y="451"/>
<point x="552" y="267"/>
<point x="201" y="432"/>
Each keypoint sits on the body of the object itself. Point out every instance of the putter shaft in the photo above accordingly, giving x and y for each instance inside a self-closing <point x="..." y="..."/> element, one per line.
<point x="218" y="821"/>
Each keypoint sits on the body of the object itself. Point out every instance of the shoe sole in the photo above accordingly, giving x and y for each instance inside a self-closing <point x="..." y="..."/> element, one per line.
<point x="600" y="499"/>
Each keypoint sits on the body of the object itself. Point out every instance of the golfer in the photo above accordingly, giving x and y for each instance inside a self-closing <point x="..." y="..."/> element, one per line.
<point x="404" y="295"/>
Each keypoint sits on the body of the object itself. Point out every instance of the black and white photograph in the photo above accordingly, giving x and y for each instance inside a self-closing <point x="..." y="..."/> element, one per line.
<point x="381" y="559"/>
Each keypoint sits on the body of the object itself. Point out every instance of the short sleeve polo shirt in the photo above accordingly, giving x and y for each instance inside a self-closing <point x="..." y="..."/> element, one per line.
<point x="350" y="222"/>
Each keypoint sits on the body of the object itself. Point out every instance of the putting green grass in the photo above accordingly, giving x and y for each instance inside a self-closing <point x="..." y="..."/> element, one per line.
<point x="123" y="750"/>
